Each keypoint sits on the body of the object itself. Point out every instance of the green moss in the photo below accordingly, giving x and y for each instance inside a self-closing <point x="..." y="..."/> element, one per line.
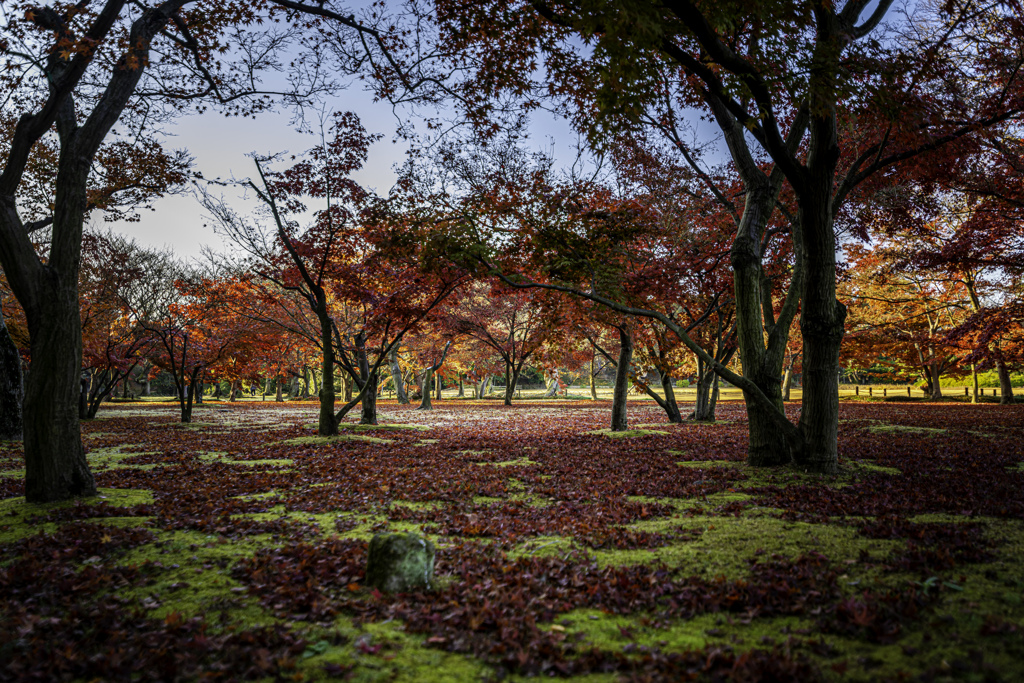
<point x="627" y="434"/>
<point x="707" y="463"/>
<point x="402" y="656"/>
<point x="107" y="459"/>
<point x="323" y="440"/>
<point x="221" y="456"/>
<point x="520" y="462"/>
<point x="871" y="467"/>
<point x="543" y="546"/>
<point x="905" y="429"/>
<point x="425" y="442"/>
<point x="14" y="512"/>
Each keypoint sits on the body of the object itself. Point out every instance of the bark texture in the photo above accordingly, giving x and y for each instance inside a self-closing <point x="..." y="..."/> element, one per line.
<point x="12" y="387"/>
<point x="619" y="422"/>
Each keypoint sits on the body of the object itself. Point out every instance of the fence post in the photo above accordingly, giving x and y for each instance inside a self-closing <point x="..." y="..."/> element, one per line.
<point x="965" y="391"/>
<point x="908" y="391"/>
<point x="856" y="390"/>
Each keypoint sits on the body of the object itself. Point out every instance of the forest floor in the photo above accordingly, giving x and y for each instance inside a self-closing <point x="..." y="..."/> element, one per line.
<point x="233" y="548"/>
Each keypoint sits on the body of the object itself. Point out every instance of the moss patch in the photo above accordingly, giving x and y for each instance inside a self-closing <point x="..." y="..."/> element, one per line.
<point x="626" y="434"/>
<point x="323" y="440"/>
<point x="905" y="429"/>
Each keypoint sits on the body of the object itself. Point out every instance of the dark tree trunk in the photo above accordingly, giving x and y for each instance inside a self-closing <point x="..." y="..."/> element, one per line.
<point x="83" y="395"/>
<point x="55" y="464"/>
<point x="396" y="376"/>
<point x="369" y="401"/>
<point x="593" y="377"/>
<point x="671" y="407"/>
<point x="1005" y="384"/>
<point x="12" y="387"/>
<point x="327" y="424"/>
<point x="935" y="377"/>
<point x="438" y="386"/>
<point x="511" y="379"/>
<point x="425" y="393"/>
<point x="822" y="318"/>
<point x="462" y="386"/>
<point x="707" y="388"/>
<point x="278" y="391"/>
<point x="621" y="381"/>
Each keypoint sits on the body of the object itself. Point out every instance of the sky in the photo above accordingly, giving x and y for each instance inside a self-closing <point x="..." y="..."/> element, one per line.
<point x="220" y="145"/>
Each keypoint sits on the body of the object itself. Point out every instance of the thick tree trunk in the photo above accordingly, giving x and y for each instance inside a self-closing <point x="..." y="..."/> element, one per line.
<point x="462" y="386"/>
<point x="483" y="387"/>
<point x="671" y="407"/>
<point x="369" y="401"/>
<point x="1005" y="384"/>
<point x="935" y="376"/>
<point x="762" y="365"/>
<point x="619" y="423"/>
<point x="278" y="393"/>
<point x="438" y="386"/>
<point x="511" y="379"/>
<point x="12" y="387"/>
<point x="822" y="320"/>
<point x="425" y="393"/>
<point x="704" y="407"/>
<point x="327" y="423"/>
<point x="974" y="377"/>
<point x="55" y="464"/>
<point x="396" y="376"/>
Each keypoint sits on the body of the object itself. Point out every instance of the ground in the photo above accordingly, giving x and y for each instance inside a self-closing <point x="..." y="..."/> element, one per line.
<point x="233" y="548"/>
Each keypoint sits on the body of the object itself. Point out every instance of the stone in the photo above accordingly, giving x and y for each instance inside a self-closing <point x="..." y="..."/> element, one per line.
<point x="400" y="562"/>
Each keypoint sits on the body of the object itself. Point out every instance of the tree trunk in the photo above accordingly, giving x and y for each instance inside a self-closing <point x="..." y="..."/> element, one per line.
<point x="704" y="407"/>
<point x="278" y="393"/>
<point x="974" y="377"/>
<point x="369" y="402"/>
<point x="187" y="397"/>
<point x="483" y="386"/>
<point x="552" y="388"/>
<point x="511" y="378"/>
<point x="822" y="315"/>
<point x="55" y="464"/>
<point x="12" y="386"/>
<point x="425" y="393"/>
<point x="438" y="386"/>
<point x="621" y="381"/>
<point x="593" y="379"/>
<point x="935" y="373"/>
<point x="462" y="386"/>
<point x="396" y="376"/>
<point x="83" y="395"/>
<point x="671" y="406"/>
<point x="327" y="423"/>
<point x="1005" y="384"/>
<point x="787" y="380"/>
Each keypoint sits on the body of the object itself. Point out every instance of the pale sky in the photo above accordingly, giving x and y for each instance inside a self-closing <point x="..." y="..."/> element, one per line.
<point x="219" y="146"/>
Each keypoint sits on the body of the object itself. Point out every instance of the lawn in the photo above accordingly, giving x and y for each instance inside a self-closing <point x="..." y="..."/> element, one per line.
<point x="233" y="548"/>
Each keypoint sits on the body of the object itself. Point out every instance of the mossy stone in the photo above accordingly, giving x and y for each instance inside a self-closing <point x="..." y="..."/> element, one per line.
<point x="400" y="562"/>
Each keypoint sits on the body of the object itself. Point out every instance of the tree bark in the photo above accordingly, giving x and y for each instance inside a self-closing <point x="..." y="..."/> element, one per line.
<point x="671" y="407"/>
<point x="369" y="402"/>
<point x="327" y="423"/>
<point x="935" y="374"/>
<point x="12" y="386"/>
<point x="823" y="315"/>
<point x="1005" y="384"/>
<point x="974" y="377"/>
<point x="425" y="393"/>
<point x="396" y="377"/>
<point x="593" y="379"/>
<point x="462" y="386"/>
<point x="619" y="423"/>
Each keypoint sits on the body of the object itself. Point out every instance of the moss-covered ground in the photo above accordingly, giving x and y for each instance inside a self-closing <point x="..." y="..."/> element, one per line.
<point x="234" y="549"/>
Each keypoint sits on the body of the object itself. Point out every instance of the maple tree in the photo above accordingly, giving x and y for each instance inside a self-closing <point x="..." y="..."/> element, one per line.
<point x="70" y="72"/>
<point x="351" y="268"/>
<point x="811" y="87"/>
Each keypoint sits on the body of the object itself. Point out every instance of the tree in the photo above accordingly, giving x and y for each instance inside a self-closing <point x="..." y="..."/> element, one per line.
<point x="512" y="324"/>
<point x="811" y="86"/>
<point x="349" y="267"/>
<point x="70" y="73"/>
